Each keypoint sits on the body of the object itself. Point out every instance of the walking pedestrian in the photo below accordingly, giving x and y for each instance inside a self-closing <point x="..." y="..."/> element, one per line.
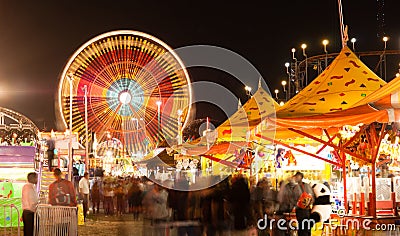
<point x="303" y="214"/>
<point x="108" y="201"/>
<point x="135" y="195"/>
<point x="95" y="194"/>
<point x="119" y="194"/>
<point x="155" y="209"/>
<point x="61" y="191"/>
<point x="240" y="201"/>
<point x="84" y="193"/>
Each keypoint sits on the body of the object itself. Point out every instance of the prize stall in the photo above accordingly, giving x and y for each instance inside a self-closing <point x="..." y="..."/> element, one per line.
<point x="325" y="112"/>
<point x="230" y="147"/>
<point x="354" y="125"/>
<point x="15" y="164"/>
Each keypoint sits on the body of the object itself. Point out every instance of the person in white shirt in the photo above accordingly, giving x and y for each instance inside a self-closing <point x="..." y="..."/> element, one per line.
<point x="84" y="193"/>
<point x="29" y="203"/>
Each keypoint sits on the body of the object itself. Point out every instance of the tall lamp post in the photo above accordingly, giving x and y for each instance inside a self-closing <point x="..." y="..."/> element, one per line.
<point x="296" y="80"/>
<point x="325" y="42"/>
<point x="304" y="46"/>
<point x="276" y="94"/>
<point x="70" y="78"/>
<point x="86" y="131"/>
<point x="158" y="115"/>
<point x="248" y="90"/>
<point x="287" y="64"/>
<point x="353" y="40"/>
<point x="180" y="112"/>
<point x="385" y="39"/>
<point x="284" y="89"/>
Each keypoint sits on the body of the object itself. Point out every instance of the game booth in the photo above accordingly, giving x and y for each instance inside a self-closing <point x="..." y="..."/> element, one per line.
<point x="15" y="163"/>
<point x="350" y="110"/>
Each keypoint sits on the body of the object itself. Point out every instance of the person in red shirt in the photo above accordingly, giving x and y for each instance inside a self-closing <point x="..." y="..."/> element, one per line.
<point x="61" y="191"/>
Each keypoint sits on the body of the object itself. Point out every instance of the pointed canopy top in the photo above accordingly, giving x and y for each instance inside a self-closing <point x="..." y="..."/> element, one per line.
<point x="343" y="83"/>
<point x="256" y="109"/>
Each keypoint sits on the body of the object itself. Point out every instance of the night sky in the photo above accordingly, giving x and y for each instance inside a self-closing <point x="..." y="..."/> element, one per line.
<point x="38" y="37"/>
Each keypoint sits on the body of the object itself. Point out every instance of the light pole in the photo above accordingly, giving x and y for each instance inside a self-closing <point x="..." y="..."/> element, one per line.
<point x="287" y="64"/>
<point x="158" y="115"/>
<point x="70" y="78"/>
<point x="137" y="135"/>
<point x="398" y="74"/>
<point x="86" y="131"/>
<point x="304" y="46"/>
<point x="296" y="79"/>
<point x="284" y="88"/>
<point x="325" y="42"/>
<point x="180" y="112"/>
<point x="276" y="94"/>
<point x="248" y="90"/>
<point x="385" y="39"/>
<point x="353" y="40"/>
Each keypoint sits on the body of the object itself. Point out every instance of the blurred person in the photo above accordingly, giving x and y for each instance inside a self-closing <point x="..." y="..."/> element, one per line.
<point x="135" y="196"/>
<point x="108" y="199"/>
<point x="95" y="195"/>
<point x="29" y="203"/>
<point x="214" y="209"/>
<point x="178" y="201"/>
<point x="119" y="194"/>
<point x="50" y="152"/>
<point x="264" y="202"/>
<point x="303" y="214"/>
<point x="288" y="195"/>
<point x="240" y="202"/>
<point x="155" y="208"/>
<point x="84" y="193"/>
<point x="61" y="191"/>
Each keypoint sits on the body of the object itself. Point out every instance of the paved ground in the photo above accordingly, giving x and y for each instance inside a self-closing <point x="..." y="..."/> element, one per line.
<point x="111" y="225"/>
<point x="101" y="225"/>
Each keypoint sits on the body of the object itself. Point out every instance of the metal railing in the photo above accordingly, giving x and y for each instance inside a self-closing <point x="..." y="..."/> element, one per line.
<point x="56" y="221"/>
<point x="8" y="226"/>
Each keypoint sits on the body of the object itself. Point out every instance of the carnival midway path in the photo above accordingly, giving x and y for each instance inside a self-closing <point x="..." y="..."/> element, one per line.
<point x="102" y="225"/>
<point x="124" y="225"/>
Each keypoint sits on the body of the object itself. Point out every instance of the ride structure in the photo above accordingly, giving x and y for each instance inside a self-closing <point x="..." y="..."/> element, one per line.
<point x="137" y="91"/>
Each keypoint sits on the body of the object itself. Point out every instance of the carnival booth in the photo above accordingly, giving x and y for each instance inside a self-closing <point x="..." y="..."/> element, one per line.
<point x="15" y="163"/>
<point x="343" y="109"/>
<point x="230" y="146"/>
<point x="56" y="144"/>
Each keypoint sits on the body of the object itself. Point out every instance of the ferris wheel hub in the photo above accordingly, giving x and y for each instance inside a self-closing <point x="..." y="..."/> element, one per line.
<point x="125" y="97"/>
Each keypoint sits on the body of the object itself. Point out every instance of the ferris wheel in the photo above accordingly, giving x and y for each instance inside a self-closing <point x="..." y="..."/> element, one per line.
<point x="137" y="90"/>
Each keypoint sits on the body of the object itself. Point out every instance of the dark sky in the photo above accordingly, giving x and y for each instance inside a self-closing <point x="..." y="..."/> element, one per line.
<point x="38" y="37"/>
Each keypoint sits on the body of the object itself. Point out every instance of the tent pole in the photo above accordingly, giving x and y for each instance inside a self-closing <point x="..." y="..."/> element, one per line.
<point x="374" y="155"/>
<point x="344" y="173"/>
<point x="372" y="199"/>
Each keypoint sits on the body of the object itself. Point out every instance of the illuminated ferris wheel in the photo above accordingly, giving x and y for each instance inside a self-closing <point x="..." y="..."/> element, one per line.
<point x="137" y="89"/>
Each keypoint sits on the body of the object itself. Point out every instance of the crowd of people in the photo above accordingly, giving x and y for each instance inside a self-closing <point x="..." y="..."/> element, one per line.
<point x="236" y="203"/>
